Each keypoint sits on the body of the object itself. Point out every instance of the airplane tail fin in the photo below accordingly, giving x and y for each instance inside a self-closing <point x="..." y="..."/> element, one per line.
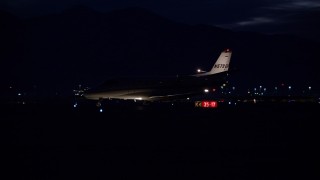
<point x="221" y="65"/>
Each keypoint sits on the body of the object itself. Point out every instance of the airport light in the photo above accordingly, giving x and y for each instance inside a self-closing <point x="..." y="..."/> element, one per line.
<point x="200" y="71"/>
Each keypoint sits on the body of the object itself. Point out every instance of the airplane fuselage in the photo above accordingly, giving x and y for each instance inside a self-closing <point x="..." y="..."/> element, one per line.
<point x="155" y="89"/>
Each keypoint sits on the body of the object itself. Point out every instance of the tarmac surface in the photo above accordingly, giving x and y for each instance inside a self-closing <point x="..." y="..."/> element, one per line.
<point x="261" y="141"/>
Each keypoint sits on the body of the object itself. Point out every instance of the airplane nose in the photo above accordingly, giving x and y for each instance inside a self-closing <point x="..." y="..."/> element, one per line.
<point x="88" y="93"/>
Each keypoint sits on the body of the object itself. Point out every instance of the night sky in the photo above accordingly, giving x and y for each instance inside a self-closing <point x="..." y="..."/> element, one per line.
<point x="268" y="16"/>
<point x="47" y="45"/>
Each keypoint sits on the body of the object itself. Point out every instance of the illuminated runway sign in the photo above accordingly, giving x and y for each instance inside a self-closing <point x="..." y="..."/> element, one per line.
<point x="206" y="104"/>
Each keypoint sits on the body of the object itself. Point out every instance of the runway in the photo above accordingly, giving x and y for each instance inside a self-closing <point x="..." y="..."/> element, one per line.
<point x="58" y="141"/>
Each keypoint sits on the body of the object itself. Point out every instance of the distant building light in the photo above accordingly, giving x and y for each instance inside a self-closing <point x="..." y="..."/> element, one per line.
<point x="233" y="88"/>
<point x="260" y="87"/>
<point x="309" y="87"/>
<point x="138" y="98"/>
<point x="265" y="89"/>
<point x="101" y="110"/>
<point x="188" y="98"/>
<point x="10" y="87"/>
<point x="75" y="105"/>
<point x="255" y="89"/>
<point x="206" y="90"/>
<point x="276" y="88"/>
<point x="289" y="87"/>
<point x="229" y="103"/>
<point x="19" y="94"/>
